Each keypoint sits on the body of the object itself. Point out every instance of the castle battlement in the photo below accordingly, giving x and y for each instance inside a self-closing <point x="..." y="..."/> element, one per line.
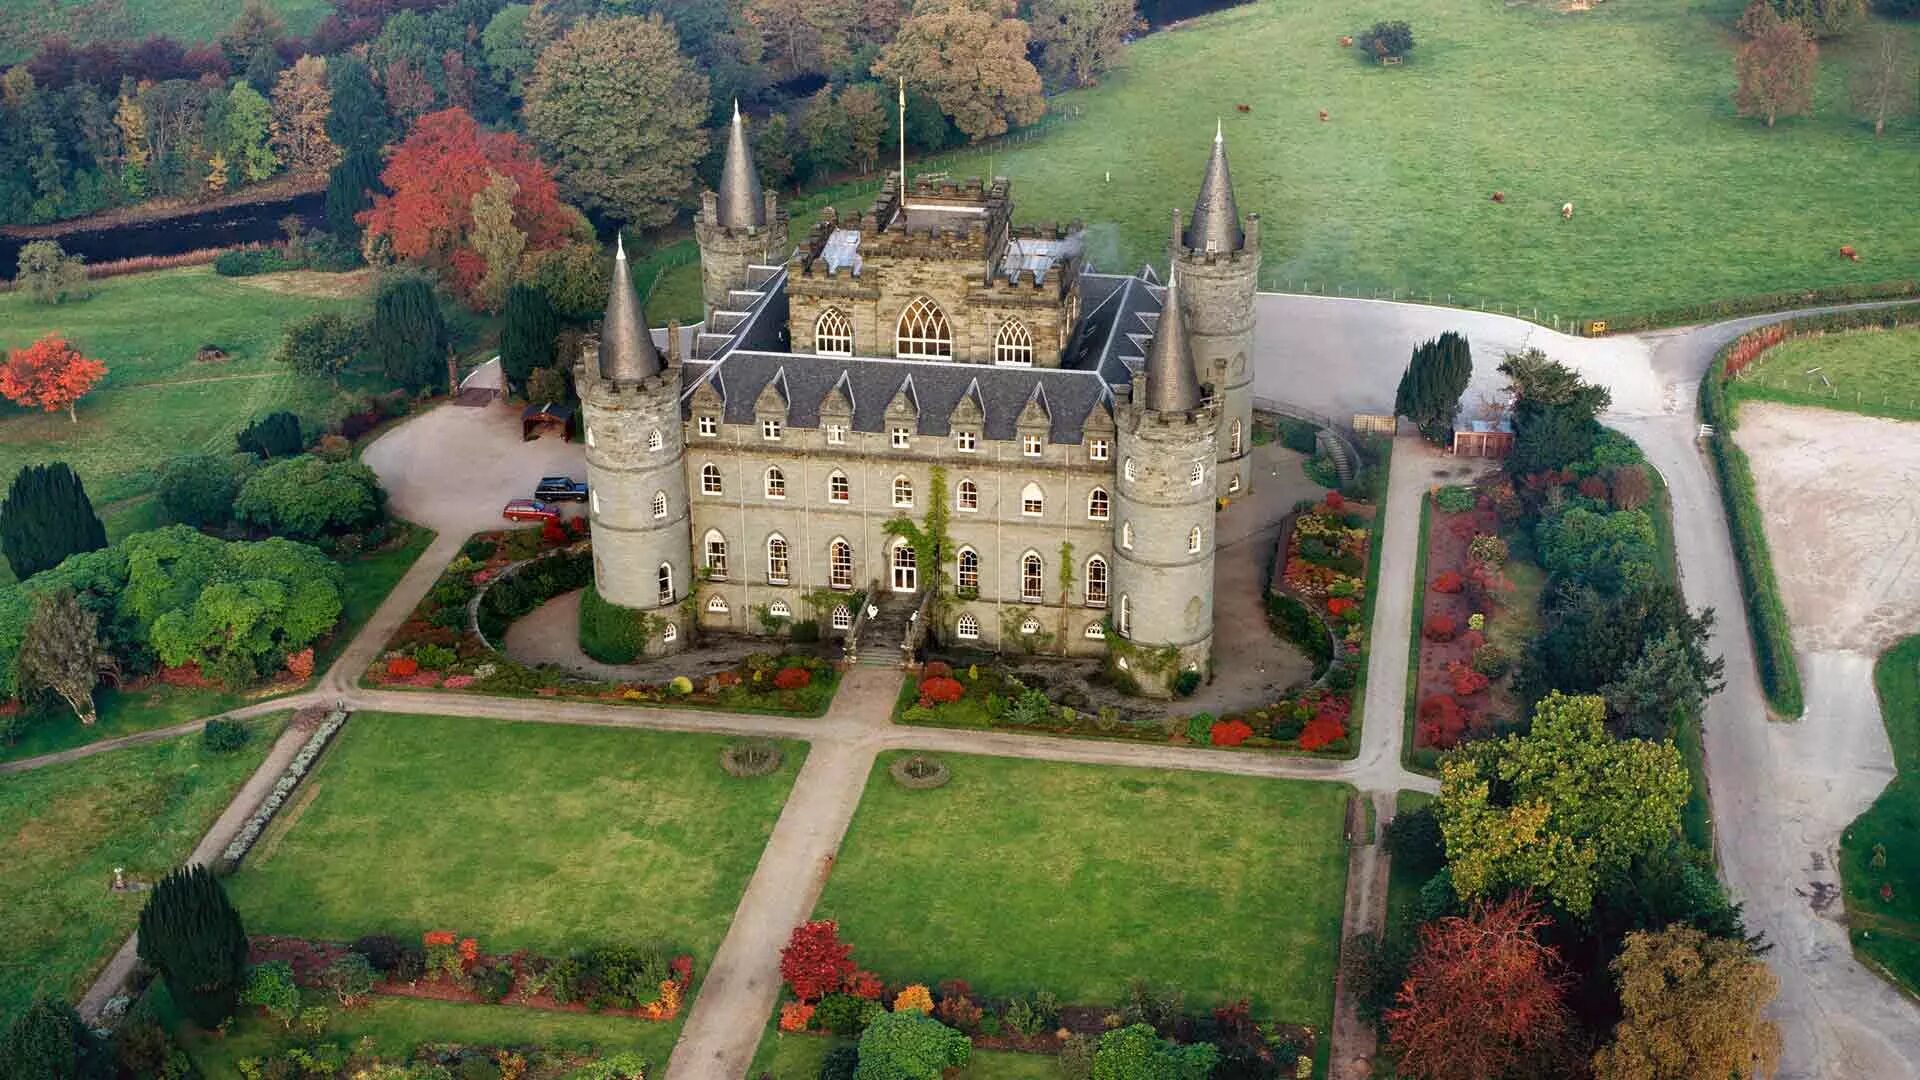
<point x="1239" y="257"/>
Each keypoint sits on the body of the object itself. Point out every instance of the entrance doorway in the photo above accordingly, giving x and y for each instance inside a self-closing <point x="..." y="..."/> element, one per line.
<point x="906" y="572"/>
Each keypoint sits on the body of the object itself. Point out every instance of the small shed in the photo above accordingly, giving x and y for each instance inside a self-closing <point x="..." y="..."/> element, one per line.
<point x="1483" y="438"/>
<point x="537" y="420"/>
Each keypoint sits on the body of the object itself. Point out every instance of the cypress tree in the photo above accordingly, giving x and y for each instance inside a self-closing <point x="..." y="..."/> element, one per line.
<point x="357" y="117"/>
<point x="350" y="188"/>
<point x="50" y="1042"/>
<point x="190" y="933"/>
<point x="1430" y="388"/>
<point x="409" y="336"/>
<point x="45" y="518"/>
<point x="276" y="435"/>
<point x="526" y="341"/>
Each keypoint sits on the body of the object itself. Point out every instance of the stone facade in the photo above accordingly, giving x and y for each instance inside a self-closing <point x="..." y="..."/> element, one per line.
<point x="1218" y="289"/>
<point x="725" y="253"/>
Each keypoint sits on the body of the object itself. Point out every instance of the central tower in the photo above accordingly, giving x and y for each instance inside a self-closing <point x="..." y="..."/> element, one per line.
<point x="738" y="226"/>
<point x="1218" y="264"/>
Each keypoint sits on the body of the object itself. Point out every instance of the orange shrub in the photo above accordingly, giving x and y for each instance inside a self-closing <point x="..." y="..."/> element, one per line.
<point x="402" y="666"/>
<point x="795" y="1017"/>
<point x="1230" y="732"/>
<point x="300" y="664"/>
<point x="914" y="998"/>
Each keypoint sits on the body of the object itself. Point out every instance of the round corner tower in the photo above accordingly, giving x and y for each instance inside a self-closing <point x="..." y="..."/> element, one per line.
<point x="1218" y="263"/>
<point x="737" y="226"/>
<point x="638" y="509"/>
<point x="1164" y="510"/>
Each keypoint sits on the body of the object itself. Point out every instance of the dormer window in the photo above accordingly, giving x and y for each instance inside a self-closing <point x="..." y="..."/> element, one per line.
<point x="1030" y="445"/>
<point x="836" y="435"/>
<point x="902" y="438"/>
<point x="709" y="426"/>
<point x="1097" y="450"/>
<point x="771" y="430"/>
<point x="965" y="441"/>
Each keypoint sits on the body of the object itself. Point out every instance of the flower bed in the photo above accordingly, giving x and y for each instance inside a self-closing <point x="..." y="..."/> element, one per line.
<point x="301" y="764"/>
<point x="1460" y="690"/>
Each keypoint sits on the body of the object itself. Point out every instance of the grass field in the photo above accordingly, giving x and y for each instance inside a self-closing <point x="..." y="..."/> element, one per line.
<point x="525" y="835"/>
<point x="65" y="827"/>
<point x="1868" y="371"/>
<point x="1021" y="876"/>
<point x="24" y="22"/>
<point x="798" y="1057"/>
<point x="1887" y="931"/>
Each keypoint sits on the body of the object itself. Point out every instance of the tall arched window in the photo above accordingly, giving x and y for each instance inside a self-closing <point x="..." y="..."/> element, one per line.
<point x="902" y="491"/>
<point x="778" y="572"/>
<point x="715" y="555"/>
<point x="1033" y="579"/>
<point x="1193" y="540"/>
<point x="1033" y="501"/>
<point x="1233" y="439"/>
<point x="1013" y="344"/>
<point x="833" y="333"/>
<point x="1125" y="624"/>
<point x="1098" y="506"/>
<point x="968" y="575"/>
<point x="776" y="483"/>
<point x="839" y="490"/>
<point x="1126" y="535"/>
<point x="666" y="583"/>
<point x="659" y="504"/>
<point x="924" y="333"/>
<point x="1096" y="582"/>
<point x="840" y="564"/>
<point x="710" y="480"/>
<point x="966" y="496"/>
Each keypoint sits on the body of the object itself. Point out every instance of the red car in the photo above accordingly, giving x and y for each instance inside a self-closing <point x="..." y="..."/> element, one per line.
<point x="530" y="510"/>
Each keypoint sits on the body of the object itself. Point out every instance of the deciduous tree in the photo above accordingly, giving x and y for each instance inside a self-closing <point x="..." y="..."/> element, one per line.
<point x="867" y="122"/>
<point x="1776" y="72"/>
<point x="50" y="275"/>
<point x="198" y="489"/>
<point x="249" y="41"/>
<point x="815" y="962"/>
<point x="191" y="934"/>
<point x="62" y="652"/>
<point x="45" y="518"/>
<point x="1081" y="39"/>
<point x="617" y="109"/>
<point x="1694" y="1007"/>
<point x="302" y="103"/>
<point x="1883" y="77"/>
<point x="305" y="497"/>
<point x="497" y="242"/>
<point x="803" y="37"/>
<point x="1430" y="388"/>
<point x="910" y="1045"/>
<point x="249" y="130"/>
<point x="971" y="56"/>
<point x="50" y="375"/>
<point x="322" y="345"/>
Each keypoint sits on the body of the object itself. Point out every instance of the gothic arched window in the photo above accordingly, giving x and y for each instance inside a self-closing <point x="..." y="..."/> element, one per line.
<point x="1096" y="582"/>
<point x="924" y="333"/>
<point x="840" y="565"/>
<point x="778" y="572"/>
<point x="1032" y="578"/>
<point x="833" y="333"/>
<point x="1013" y="344"/>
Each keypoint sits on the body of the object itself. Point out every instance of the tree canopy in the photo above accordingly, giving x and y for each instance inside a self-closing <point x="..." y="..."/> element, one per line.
<point x="1430" y="388"/>
<point x="50" y="375"/>
<point x="45" y="518"/>
<point x="408" y="335"/>
<point x="190" y="932"/>
<point x="1694" y="1007"/>
<point x="306" y="497"/>
<point x="971" y="56"/>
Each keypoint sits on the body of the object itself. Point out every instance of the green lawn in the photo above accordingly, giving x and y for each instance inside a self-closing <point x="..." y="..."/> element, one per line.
<point x="1887" y="932"/>
<point x="65" y="827"/>
<point x="1868" y="371"/>
<point x="797" y="1057"/>
<point x="24" y="22"/>
<point x="1019" y="876"/>
<point x="526" y="835"/>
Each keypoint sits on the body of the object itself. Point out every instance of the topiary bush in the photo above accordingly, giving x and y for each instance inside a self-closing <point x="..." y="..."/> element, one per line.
<point x="223" y="736"/>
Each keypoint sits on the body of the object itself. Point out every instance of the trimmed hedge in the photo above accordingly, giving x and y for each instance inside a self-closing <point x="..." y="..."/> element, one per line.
<point x="1766" y="612"/>
<point x="246" y="262"/>
<point x="1297" y="623"/>
<point x="1715" y="310"/>
<point x="610" y="633"/>
<point x="530" y="586"/>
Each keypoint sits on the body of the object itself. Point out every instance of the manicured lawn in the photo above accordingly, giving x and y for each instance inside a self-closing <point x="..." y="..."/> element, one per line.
<point x="1868" y="371"/>
<point x="1020" y="876"/>
<point x="526" y="835"/>
<point x="84" y="22"/>
<point x="65" y="827"/>
<point x="1887" y="931"/>
<point x="797" y="1057"/>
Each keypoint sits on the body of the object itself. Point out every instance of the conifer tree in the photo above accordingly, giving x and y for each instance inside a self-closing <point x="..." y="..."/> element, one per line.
<point x="1430" y="389"/>
<point x="357" y="119"/>
<point x="526" y="341"/>
<point x="276" y="435"/>
<point x="350" y="188"/>
<point x="45" y="518"/>
<point x="191" y="934"/>
<point x="409" y="336"/>
<point x="50" y="1042"/>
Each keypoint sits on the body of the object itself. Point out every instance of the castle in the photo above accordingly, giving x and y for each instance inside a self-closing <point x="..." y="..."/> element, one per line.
<point x="1082" y="424"/>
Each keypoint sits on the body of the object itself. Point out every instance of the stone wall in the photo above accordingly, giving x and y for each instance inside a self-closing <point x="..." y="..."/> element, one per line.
<point x="876" y="297"/>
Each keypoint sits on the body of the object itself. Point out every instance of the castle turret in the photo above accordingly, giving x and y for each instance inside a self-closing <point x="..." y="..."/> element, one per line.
<point x="739" y="225"/>
<point x="1218" y="262"/>
<point x="637" y="506"/>
<point x="1164" y="512"/>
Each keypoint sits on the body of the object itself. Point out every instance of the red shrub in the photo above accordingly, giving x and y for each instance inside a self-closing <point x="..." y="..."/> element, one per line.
<point x="1448" y="582"/>
<point x="792" y="678"/>
<point x="1466" y="681"/>
<point x="1229" y="732"/>
<point x="402" y="666"/>
<point x="1440" y="628"/>
<point x="1340" y="605"/>
<point x="815" y="961"/>
<point x="1593" y="487"/>
<point x="941" y="690"/>
<point x="865" y="984"/>
<point x="300" y="664"/>
<point x="1335" y="501"/>
<point x="936" y="669"/>
<point x="1320" y="731"/>
<point x="1439" y="722"/>
<point x="552" y="533"/>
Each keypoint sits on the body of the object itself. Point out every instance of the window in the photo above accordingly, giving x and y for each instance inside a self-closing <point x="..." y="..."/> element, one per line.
<point x="716" y="556"/>
<point x="967" y="496"/>
<point x="965" y="441"/>
<point x="902" y="491"/>
<point x="1013" y="344"/>
<point x="842" y="618"/>
<point x="1198" y="475"/>
<point x="654" y="441"/>
<point x="1097" y="450"/>
<point x="669" y="634"/>
<point x="596" y="502"/>
<point x="1095" y="632"/>
<point x="777" y="567"/>
<point x="902" y="438"/>
<point x="1096" y="582"/>
<point x="659" y="504"/>
<point x="1030" y="625"/>
<point x="709" y="426"/>
<point x="1030" y="445"/>
<point x="968" y="576"/>
<point x="590" y="443"/>
<point x="1098" y="505"/>
<point x="968" y="628"/>
<point x="716" y="605"/>
<point x="779" y="610"/>
<point x="770" y="430"/>
<point x="710" y="480"/>
<point x="1233" y="439"/>
<point x="1125" y="625"/>
<point x="833" y="333"/>
<point x="1193" y="539"/>
<point x="923" y="333"/>
<point x="1128" y="469"/>
<point x="776" y="483"/>
<point x="1033" y="501"/>
<point x="1032" y="578"/>
<point x="666" y="583"/>
<point x="838" y="489"/>
<point x="836" y="435"/>
<point x="1126" y="535"/>
<point x="1233" y="483"/>
<point x="840" y="565"/>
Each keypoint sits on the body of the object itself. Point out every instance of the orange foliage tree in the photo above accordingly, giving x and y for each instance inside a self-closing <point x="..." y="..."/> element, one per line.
<point x="49" y="374"/>
<point x="1482" y="996"/>
<point x="434" y="175"/>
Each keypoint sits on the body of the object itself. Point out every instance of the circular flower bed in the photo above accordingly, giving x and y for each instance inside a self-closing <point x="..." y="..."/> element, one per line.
<point x="750" y="757"/>
<point x="919" y="772"/>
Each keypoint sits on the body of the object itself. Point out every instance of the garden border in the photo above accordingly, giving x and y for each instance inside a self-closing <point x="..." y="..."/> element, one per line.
<point x="289" y="780"/>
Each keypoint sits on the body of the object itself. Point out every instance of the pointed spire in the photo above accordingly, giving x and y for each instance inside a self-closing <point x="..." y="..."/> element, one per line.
<point x="1171" y="384"/>
<point x="1216" y="218"/>
<point x="627" y="352"/>
<point x="740" y="204"/>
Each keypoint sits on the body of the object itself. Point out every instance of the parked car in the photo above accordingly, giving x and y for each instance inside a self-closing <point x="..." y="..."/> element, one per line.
<point x="530" y="510"/>
<point x="557" y="488"/>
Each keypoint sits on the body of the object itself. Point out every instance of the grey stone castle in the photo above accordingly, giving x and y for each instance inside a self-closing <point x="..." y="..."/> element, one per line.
<point x="1083" y="424"/>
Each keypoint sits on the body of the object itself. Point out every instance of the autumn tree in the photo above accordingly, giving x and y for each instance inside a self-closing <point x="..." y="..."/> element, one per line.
<point x="495" y="240"/>
<point x="1776" y="72"/>
<point x="867" y="123"/>
<point x="1564" y="808"/>
<point x="1483" y="995"/>
<point x="49" y="374"/>
<point x="1081" y="39"/>
<point x="135" y="151"/>
<point x="1430" y="388"/>
<point x="1694" y="1007"/>
<point x="50" y="275"/>
<point x="803" y="37"/>
<point x="61" y="651"/>
<point x="971" y="56"/>
<point x="249" y="130"/>
<point x="575" y="278"/>
<point x="1882" y="79"/>
<point x="302" y="103"/>
<point x="45" y="518"/>
<point x="815" y="962"/>
<point x="617" y="109"/>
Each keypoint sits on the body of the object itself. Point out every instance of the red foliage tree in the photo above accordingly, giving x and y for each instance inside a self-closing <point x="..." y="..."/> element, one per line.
<point x="939" y="690"/>
<point x="1448" y="582"/>
<point x="1439" y="722"/>
<point x="434" y="174"/>
<point x="792" y="678"/>
<point x="49" y="374"/>
<point x="815" y="961"/>
<point x="865" y="984"/>
<point x="1482" y="997"/>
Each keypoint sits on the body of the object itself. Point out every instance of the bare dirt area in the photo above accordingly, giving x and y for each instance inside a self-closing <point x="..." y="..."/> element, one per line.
<point x="312" y="283"/>
<point x="453" y="468"/>
<point x="1841" y="496"/>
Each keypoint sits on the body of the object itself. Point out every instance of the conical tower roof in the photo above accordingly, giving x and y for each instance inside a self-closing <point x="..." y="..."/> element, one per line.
<point x="1171" y="384"/>
<point x="627" y="353"/>
<point x="740" y="202"/>
<point x="1216" y="217"/>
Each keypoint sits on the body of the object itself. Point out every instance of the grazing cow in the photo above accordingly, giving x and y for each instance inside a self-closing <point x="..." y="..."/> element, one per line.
<point x="1346" y="41"/>
<point x="1846" y="250"/>
<point x="1323" y="116"/>
<point x="1243" y="108"/>
<point x="1499" y="196"/>
<point x="1566" y="212"/>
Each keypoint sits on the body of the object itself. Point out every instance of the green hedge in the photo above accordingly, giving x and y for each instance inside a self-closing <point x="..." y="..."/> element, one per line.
<point x="246" y="262"/>
<point x="529" y="587"/>
<point x="1766" y="612"/>
<point x="610" y="633"/>
<point x="1715" y="310"/>
<point x="1297" y="623"/>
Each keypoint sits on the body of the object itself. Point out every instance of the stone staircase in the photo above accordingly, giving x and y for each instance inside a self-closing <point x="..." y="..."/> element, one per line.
<point x="882" y="634"/>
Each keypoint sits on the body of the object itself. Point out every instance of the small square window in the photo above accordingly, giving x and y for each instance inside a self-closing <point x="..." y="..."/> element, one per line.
<point x="965" y="441"/>
<point x="902" y="438"/>
<point x="770" y="430"/>
<point x="836" y="435"/>
<point x="1030" y="445"/>
<point x="709" y="426"/>
<point x="1097" y="450"/>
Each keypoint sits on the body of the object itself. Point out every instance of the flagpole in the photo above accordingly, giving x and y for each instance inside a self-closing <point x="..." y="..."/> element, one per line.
<point x="903" y="140"/>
